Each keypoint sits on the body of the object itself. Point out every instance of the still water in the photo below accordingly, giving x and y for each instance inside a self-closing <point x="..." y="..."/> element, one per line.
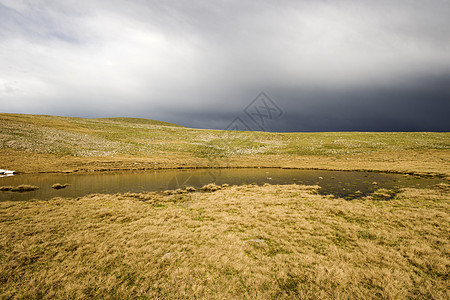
<point x="339" y="183"/>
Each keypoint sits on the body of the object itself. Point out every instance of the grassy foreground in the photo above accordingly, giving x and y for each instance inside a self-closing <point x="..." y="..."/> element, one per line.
<point x="238" y="242"/>
<point x="31" y="143"/>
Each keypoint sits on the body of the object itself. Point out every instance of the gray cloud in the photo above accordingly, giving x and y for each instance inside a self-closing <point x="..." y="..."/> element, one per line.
<point x="199" y="63"/>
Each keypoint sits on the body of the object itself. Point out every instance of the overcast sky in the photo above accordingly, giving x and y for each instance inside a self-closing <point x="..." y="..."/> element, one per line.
<point x="325" y="65"/>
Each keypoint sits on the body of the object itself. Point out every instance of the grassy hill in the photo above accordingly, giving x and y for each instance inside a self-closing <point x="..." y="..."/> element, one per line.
<point x="37" y="143"/>
<point x="140" y="121"/>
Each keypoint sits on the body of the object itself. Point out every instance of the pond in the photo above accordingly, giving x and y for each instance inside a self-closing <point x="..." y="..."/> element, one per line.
<point x="345" y="184"/>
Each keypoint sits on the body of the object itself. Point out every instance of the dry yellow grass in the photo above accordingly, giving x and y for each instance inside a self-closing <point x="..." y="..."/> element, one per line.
<point x="237" y="242"/>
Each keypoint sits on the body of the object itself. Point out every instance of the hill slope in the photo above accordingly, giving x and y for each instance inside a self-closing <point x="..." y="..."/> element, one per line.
<point x="36" y="143"/>
<point x="140" y="121"/>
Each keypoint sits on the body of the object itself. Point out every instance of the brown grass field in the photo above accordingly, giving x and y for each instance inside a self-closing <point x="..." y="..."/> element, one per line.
<point x="238" y="242"/>
<point x="252" y="242"/>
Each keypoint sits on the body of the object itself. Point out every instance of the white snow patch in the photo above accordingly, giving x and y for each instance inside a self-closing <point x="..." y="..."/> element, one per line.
<point x="4" y="173"/>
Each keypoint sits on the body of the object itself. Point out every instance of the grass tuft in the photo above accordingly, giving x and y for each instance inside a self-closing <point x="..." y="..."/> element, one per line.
<point x="58" y="186"/>
<point x="212" y="187"/>
<point x="19" y="188"/>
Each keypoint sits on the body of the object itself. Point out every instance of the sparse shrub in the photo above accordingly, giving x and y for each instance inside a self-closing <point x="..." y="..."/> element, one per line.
<point x="180" y="191"/>
<point x="58" y="186"/>
<point x="212" y="187"/>
<point x="6" y="188"/>
<point x="146" y="197"/>
<point x="19" y="188"/>
<point x="168" y="192"/>
<point x="443" y="186"/>
<point x="25" y="188"/>
<point x="383" y="194"/>
<point x="190" y="189"/>
<point x="178" y="198"/>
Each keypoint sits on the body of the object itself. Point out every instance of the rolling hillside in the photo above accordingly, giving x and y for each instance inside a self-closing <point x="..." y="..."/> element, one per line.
<point x="37" y="143"/>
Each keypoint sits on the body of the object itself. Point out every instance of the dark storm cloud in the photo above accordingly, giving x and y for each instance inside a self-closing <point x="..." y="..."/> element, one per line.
<point x="420" y="105"/>
<point x="331" y="65"/>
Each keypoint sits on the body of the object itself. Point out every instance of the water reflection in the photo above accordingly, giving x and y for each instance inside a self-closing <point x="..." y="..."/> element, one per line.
<point x="338" y="183"/>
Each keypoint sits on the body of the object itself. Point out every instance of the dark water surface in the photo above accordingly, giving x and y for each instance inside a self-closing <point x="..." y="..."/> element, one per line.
<point x="339" y="183"/>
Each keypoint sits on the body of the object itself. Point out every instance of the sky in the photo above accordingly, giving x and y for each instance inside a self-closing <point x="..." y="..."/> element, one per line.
<point x="275" y="65"/>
